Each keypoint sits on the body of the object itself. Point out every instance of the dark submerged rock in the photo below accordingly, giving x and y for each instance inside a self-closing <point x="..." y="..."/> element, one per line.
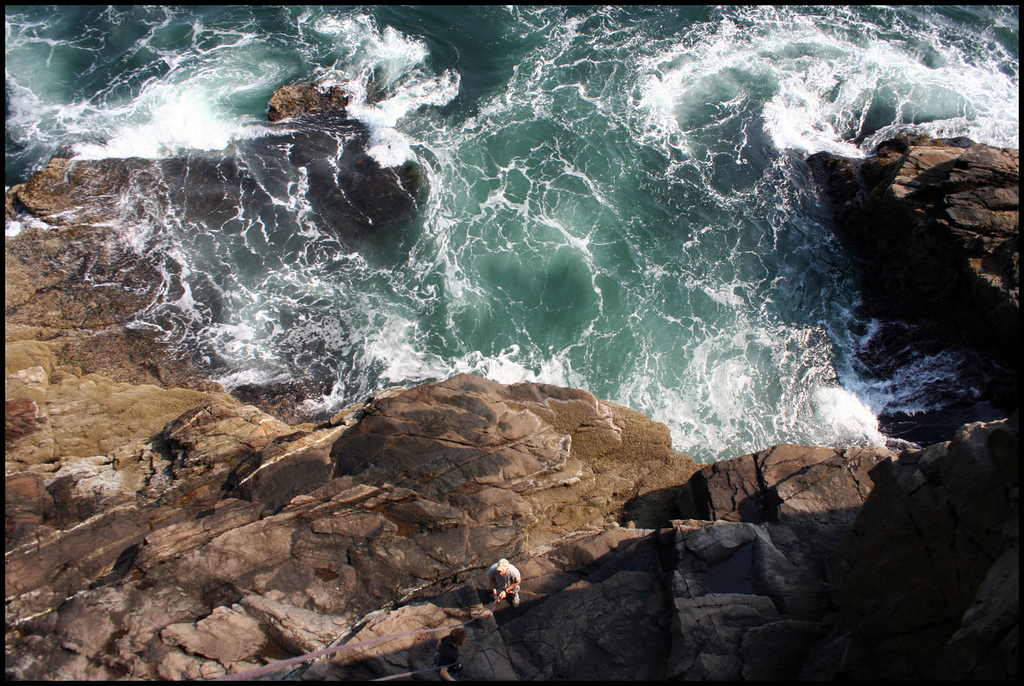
<point x="105" y="272"/>
<point x="350" y="192"/>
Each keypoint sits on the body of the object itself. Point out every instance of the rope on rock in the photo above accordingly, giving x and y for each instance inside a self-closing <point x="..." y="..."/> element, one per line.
<point x="299" y="659"/>
<point x="405" y="674"/>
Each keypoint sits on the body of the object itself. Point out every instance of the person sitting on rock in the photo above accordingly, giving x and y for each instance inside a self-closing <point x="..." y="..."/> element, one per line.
<point x="505" y="580"/>
<point x="447" y="656"/>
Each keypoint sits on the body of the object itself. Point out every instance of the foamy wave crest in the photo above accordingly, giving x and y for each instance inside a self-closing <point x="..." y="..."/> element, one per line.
<point x="165" y="121"/>
<point x="387" y="78"/>
<point x="398" y="350"/>
<point x="826" y="80"/>
<point x="14" y="226"/>
<point x="844" y="419"/>
<point x="192" y="98"/>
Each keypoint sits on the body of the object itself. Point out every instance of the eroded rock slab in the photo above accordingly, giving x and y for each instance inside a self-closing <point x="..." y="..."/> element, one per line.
<point x="785" y="482"/>
<point x="571" y="456"/>
<point x="297" y="533"/>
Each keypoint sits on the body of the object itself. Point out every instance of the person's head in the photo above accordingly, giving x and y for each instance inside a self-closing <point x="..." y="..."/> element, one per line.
<point x="502" y="566"/>
<point x="458" y="636"/>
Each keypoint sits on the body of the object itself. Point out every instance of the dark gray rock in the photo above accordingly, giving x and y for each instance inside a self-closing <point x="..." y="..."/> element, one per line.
<point x="937" y="226"/>
<point x="752" y="583"/>
<point x="927" y="581"/>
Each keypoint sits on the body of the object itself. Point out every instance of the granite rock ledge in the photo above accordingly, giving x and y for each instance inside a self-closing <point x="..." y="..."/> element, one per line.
<point x="230" y="539"/>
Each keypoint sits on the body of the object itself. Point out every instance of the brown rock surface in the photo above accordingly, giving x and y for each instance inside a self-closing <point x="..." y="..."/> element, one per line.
<point x="418" y="492"/>
<point x="305" y="98"/>
<point x="464" y="436"/>
<point x="253" y="541"/>
<point x="81" y="415"/>
<point x="797" y="580"/>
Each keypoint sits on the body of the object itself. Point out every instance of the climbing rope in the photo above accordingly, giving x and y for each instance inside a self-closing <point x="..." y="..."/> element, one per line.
<point x="282" y="664"/>
<point x="405" y="674"/>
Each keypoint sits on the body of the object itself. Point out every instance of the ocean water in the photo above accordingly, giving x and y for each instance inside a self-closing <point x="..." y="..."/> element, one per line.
<point x="616" y="195"/>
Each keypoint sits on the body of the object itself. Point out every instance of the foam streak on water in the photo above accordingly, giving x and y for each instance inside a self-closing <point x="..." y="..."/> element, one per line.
<point x="616" y="198"/>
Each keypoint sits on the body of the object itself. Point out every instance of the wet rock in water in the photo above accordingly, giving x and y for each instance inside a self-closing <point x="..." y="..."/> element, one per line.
<point x="67" y="193"/>
<point x="79" y="286"/>
<point x="210" y="188"/>
<point x="356" y="180"/>
<point x="296" y="99"/>
<point x="350" y="192"/>
<point x="285" y="401"/>
<point x="85" y="285"/>
<point x="380" y="194"/>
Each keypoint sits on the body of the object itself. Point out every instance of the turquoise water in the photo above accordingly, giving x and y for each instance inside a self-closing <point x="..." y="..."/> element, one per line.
<point x="617" y="199"/>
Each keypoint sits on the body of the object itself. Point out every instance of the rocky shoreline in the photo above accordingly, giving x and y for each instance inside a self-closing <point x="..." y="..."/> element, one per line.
<point x="935" y="223"/>
<point x="159" y="528"/>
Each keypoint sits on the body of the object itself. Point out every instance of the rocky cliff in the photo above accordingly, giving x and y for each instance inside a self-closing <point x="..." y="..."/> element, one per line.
<point x="935" y="223"/>
<point x="230" y="539"/>
<point x="158" y="528"/>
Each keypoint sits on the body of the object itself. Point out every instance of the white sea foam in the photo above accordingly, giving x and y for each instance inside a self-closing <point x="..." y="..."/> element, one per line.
<point x="387" y="78"/>
<point x="165" y="121"/>
<point x="14" y="226"/>
<point x="798" y="119"/>
<point x="844" y="419"/>
<point x="142" y="112"/>
<point x="397" y="348"/>
<point x="830" y="76"/>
